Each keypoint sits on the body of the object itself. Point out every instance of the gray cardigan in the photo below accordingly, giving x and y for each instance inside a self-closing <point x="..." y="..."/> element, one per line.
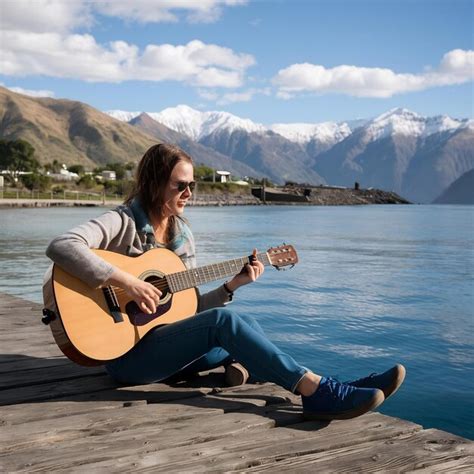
<point x="115" y="231"/>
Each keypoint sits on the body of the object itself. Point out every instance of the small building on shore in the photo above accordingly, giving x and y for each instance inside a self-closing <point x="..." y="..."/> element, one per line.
<point x="109" y="175"/>
<point x="63" y="175"/>
<point x="224" y="176"/>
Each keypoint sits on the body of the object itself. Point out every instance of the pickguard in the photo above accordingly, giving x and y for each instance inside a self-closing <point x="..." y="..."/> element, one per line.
<point x="139" y="318"/>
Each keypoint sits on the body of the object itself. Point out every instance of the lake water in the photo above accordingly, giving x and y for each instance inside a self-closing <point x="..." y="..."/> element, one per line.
<point x="375" y="285"/>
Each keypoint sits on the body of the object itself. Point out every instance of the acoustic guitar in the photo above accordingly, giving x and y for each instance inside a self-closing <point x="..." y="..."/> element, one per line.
<point x="96" y="325"/>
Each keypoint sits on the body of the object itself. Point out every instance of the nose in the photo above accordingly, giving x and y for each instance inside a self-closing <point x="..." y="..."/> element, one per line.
<point x="187" y="192"/>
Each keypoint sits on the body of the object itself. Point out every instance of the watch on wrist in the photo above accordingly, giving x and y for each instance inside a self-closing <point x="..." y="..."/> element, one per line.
<point x="230" y="294"/>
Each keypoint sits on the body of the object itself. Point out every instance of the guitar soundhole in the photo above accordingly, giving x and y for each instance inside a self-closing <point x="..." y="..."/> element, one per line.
<point x="159" y="283"/>
<point x="137" y="316"/>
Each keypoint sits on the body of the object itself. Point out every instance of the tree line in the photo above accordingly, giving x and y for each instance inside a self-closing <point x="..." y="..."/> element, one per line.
<point x="21" y="169"/>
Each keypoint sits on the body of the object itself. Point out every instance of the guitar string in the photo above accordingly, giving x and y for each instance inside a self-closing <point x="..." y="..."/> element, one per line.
<point x="205" y="271"/>
<point x="162" y="284"/>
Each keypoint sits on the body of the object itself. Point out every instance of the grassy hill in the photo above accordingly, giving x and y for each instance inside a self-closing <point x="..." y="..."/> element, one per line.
<point x="69" y="131"/>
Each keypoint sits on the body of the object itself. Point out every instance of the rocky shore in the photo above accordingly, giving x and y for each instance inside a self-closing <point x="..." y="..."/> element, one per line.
<point x="348" y="197"/>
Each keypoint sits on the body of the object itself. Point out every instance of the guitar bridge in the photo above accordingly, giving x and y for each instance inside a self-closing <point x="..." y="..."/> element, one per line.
<point x="112" y="304"/>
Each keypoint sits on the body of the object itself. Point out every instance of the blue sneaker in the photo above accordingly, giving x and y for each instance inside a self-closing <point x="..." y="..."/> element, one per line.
<point x="336" y="401"/>
<point x="388" y="382"/>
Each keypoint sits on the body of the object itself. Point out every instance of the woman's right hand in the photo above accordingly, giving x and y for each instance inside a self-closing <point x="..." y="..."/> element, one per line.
<point x="145" y="295"/>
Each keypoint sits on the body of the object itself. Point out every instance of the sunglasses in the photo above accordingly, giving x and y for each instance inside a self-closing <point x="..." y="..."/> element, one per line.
<point x="182" y="185"/>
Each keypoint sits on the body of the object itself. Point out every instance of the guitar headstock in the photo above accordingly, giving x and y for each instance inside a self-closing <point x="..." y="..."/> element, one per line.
<point x="282" y="256"/>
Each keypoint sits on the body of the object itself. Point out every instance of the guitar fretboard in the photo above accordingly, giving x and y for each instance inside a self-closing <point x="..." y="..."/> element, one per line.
<point x="180" y="281"/>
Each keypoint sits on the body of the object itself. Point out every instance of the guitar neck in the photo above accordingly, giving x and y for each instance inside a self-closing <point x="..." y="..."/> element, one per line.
<point x="186" y="279"/>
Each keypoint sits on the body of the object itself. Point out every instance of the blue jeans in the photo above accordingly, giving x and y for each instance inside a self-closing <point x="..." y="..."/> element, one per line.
<point x="209" y="339"/>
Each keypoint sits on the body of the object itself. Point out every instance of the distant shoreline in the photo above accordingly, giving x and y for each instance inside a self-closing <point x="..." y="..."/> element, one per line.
<point x="43" y="203"/>
<point x="318" y="196"/>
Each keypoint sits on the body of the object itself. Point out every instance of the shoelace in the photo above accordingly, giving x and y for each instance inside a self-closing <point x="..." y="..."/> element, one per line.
<point x="337" y="389"/>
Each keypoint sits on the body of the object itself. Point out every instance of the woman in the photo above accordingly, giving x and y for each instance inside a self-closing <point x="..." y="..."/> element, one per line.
<point x="152" y="217"/>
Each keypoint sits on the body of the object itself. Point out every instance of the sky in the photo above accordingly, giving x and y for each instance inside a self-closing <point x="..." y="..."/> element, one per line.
<point x="272" y="61"/>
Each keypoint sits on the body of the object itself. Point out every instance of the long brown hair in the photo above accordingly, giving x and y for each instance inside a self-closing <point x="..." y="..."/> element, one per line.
<point x="153" y="173"/>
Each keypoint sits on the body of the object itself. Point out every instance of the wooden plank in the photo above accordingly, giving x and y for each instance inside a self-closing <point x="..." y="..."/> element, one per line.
<point x="404" y="453"/>
<point x="98" y="387"/>
<point x="28" y="363"/>
<point x="16" y="329"/>
<point x="20" y="316"/>
<point x="279" y="443"/>
<point x="462" y="465"/>
<point x="247" y="397"/>
<point x="240" y="450"/>
<point x="29" y="412"/>
<point x="57" y="408"/>
<point x="155" y="393"/>
<point x="10" y="304"/>
<point x="104" y="422"/>
<point x="25" y="378"/>
<point x="30" y="432"/>
<point x="37" y="349"/>
<point x="27" y="336"/>
<point x="143" y="436"/>
<point x="51" y="390"/>
<point x="269" y="393"/>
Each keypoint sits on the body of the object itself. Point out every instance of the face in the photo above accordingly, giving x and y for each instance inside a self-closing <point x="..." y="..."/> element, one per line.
<point x="174" y="199"/>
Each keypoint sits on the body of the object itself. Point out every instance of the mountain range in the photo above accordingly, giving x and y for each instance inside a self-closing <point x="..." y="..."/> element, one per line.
<point x="417" y="157"/>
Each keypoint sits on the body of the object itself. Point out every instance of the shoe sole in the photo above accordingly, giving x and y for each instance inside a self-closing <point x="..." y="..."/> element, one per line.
<point x="235" y="375"/>
<point x="377" y="400"/>
<point x="397" y="382"/>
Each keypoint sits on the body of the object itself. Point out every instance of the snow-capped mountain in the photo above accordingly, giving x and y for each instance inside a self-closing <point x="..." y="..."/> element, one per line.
<point x="325" y="132"/>
<point x="122" y="115"/>
<point x="194" y="123"/>
<point x="399" y="150"/>
<point x="197" y="125"/>
<point x="200" y="153"/>
<point x="402" y="151"/>
<point x="401" y="121"/>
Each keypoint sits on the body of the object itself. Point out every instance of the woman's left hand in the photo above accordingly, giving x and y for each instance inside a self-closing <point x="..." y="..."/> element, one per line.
<point x="249" y="274"/>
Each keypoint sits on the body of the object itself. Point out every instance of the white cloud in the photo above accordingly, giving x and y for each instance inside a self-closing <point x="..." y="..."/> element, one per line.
<point x="30" y="92"/>
<point x="157" y="11"/>
<point x="80" y="57"/>
<point x="456" y="67"/>
<point x="40" y="16"/>
<point x="33" y="44"/>
<point x="63" y="16"/>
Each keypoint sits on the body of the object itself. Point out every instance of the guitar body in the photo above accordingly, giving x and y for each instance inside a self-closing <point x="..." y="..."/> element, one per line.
<point x="95" y="326"/>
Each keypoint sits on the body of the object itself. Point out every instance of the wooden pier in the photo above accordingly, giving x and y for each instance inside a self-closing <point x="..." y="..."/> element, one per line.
<point x="56" y="416"/>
